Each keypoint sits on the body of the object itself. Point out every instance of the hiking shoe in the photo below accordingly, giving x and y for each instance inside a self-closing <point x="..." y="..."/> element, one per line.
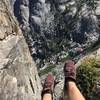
<point x="48" y="86"/>
<point x="70" y="71"/>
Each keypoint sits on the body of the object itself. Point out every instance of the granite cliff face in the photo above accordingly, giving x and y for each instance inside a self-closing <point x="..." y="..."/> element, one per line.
<point x="19" y="78"/>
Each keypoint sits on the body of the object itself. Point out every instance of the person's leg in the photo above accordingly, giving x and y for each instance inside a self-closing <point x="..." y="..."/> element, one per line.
<point x="47" y="97"/>
<point x="48" y="88"/>
<point x="72" y="92"/>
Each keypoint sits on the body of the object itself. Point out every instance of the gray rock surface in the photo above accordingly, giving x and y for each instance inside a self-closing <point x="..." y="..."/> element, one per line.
<point x="19" y="78"/>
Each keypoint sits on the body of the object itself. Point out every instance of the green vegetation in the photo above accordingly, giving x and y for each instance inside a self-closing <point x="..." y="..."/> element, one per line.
<point x="88" y="73"/>
<point x="65" y="58"/>
<point x="93" y="48"/>
<point x="47" y="70"/>
<point x="15" y="28"/>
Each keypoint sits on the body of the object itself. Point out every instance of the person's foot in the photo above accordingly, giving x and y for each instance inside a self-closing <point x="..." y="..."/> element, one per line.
<point x="69" y="71"/>
<point x="48" y="86"/>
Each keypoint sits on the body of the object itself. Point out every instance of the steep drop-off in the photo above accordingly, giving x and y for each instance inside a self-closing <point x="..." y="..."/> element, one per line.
<point x="53" y="26"/>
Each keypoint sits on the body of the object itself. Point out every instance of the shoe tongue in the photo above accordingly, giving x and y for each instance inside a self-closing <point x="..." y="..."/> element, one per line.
<point x="49" y="79"/>
<point x="69" y="63"/>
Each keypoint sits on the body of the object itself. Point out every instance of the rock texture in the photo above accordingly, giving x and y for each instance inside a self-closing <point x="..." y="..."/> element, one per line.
<point x="19" y="78"/>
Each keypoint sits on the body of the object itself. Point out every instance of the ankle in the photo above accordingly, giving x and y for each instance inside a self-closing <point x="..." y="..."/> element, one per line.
<point x="71" y="83"/>
<point x="67" y="80"/>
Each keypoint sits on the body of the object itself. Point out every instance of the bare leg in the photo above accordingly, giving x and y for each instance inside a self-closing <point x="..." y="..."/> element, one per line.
<point x="73" y="92"/>
<point x="47" y="97"/>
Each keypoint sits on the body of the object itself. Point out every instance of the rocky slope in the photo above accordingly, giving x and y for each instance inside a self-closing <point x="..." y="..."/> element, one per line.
<point x="19" y="78"/>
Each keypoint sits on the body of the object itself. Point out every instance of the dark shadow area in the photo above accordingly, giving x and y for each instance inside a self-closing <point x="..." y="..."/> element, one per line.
<point x="17" y="10"/>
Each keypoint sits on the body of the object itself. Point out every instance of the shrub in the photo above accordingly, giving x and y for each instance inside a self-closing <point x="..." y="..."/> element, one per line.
<point x="88" y="73"/>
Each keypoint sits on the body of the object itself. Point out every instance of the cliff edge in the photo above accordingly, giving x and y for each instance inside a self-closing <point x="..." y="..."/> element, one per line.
<point x="18" y="74"/>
